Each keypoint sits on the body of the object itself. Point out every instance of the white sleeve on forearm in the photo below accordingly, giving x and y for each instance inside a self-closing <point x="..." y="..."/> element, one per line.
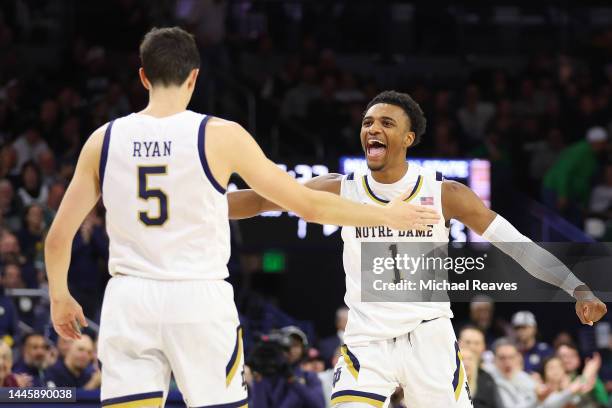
<point x="536" y="260"/>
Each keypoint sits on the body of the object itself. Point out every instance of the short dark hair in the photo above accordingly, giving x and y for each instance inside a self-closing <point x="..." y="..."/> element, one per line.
<point x="168" y="55"/>
<point x="412" y="109"/>
<point x="501" y="342"/>
<point x="471" y="327"/>
<point x="547" y="359"/>
<point x="28" y="336"/>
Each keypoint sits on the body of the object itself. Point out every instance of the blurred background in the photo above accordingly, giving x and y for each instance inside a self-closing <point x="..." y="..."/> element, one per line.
<point x="518" y="104"/>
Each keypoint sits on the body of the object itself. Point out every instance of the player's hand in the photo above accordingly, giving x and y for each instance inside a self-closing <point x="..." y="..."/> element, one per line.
<point x="588" y="308"/>
<point x="405" y="216"/>
<point x="67" y="315"/>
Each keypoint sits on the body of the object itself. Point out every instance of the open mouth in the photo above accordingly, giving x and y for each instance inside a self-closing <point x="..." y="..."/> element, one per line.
<point x="375" y="149"/>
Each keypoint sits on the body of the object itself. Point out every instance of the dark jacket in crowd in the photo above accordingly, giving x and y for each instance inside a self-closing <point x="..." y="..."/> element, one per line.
<point x="303" y="390"/>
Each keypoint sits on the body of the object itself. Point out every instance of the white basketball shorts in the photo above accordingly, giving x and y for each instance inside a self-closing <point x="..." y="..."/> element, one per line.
<point x="426" y="363"/>
<point x="150" y="328"/>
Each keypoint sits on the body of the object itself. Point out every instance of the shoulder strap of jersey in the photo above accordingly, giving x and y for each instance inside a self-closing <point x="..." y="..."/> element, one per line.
<point x="104" y="153"/>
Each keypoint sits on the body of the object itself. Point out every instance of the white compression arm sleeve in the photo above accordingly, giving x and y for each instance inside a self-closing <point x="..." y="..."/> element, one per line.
<point x="534" y="259"/>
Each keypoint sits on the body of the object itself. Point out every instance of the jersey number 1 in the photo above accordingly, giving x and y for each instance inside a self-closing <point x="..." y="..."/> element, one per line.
<point x="147" y="194"/>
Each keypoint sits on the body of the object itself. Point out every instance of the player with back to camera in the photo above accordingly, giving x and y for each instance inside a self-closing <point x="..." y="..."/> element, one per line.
<point x="411" y="344"/>
<point x="161" y="173"/>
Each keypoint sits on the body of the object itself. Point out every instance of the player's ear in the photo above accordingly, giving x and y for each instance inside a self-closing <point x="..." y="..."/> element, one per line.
<point x="191" y="79"/>
<point x="143" y="79"/>
<point x="408" y="139"/>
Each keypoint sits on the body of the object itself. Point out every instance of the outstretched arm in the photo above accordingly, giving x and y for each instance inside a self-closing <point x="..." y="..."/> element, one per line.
<point x="459" y="202"/>
<point x="315" y="206"/>
<point x="81" y="195"/>
<point x="247" y="203"/>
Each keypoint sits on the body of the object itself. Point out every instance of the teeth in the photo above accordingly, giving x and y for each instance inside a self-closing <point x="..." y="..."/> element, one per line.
<point x="373" y="143"/>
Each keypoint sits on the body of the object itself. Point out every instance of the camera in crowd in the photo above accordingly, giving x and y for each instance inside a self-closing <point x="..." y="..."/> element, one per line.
<point x="276" y="353"/>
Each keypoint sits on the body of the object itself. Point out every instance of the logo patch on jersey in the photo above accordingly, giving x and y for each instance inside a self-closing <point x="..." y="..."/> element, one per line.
<point x="337" y="374"/>
<point x="427" y="201"/>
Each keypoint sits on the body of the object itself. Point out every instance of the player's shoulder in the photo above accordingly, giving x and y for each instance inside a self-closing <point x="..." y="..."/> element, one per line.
<point x="217" y="123"/>
<point x="452" y="188"/>
<point x="96" y="138"/>
<point x="230" y="131"/>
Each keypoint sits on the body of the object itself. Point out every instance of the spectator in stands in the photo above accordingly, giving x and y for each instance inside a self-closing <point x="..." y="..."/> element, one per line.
<point x="299" y="344"/>
<point x="70" y="141"/>
<point x="32" y="189"/>
<point x="297" y="99"/>
<point x="598" y="224"/>
<point x="482" y="316"/>
<point x="8" y="162"/>
<point x="56" y="193"/>
<point x="544" y="153"/>
<point x="493" y="148"/>
<point x="526" y="330"/>
<point x="29" y="146"/>
<point x="313" y="362"/>
<point x="483" y="389"/>
<point x="7" y="378"/>
<point x="289" y="387"/>
<point x="47" y="164"/>
<point x="570" y="358"/>
<point x="9" y="322"/>
<point x="33" y="358"/>
<point x="482" y="386"/>
<point x="516" y="388"/>
<point x="10" y="252"/>
<point x="348" y="92"/>
<point x="562" y="391"/>
<point x="11" y="276"/>
<point x="567" y="184"/>
<point x="329" y="345"/>
<point x="601" y="197"/>
<point x="63" y="345"/>
<point x="446" y="145"/>
<point x="474" y="115"/>
<point x="49" y="120"/>
<point x="10" y="206"/>
<point x="31" y="235"/>
<point x="72" y="370"/>
<point x="90" y="245"/>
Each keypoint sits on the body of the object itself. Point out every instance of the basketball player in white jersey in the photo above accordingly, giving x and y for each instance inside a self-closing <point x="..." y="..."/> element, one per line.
<point x="161" y="173"/>
<point x="410" y="344"/>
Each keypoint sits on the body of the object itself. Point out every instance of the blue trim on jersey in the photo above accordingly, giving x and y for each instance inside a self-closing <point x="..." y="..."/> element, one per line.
<point x="201" y="151"/>
<point x="104" y="154"/>
<point x="458" y="365"/>
<point x="236" y="404"/>
<point x="133" y="397"/>
<point x="351" y="176"/>
<point x="439" y="176"/>
<point x="354" y="393"/>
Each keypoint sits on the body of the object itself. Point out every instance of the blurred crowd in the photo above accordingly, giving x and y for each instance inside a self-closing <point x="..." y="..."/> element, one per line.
<point x="545" y="128"/>
<point x="506" y="363"/>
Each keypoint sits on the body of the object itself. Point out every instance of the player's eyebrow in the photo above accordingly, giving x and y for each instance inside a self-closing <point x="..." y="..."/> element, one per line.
<point x="381" y="118"/>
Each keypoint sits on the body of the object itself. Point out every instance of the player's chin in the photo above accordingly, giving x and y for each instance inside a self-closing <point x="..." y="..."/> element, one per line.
<point x="376" y="165"/>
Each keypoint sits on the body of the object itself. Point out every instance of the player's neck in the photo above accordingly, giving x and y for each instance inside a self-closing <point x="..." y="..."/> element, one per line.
<point x="391" y="174"/>
<point x="166" y="102"/>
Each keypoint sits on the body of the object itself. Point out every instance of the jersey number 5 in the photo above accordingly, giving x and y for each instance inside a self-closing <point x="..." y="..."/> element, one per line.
<point x="147" y="194"/>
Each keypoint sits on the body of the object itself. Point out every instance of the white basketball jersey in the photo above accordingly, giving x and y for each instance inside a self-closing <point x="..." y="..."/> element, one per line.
<point x="166" y="215"/>
<point x="370" y="321"/>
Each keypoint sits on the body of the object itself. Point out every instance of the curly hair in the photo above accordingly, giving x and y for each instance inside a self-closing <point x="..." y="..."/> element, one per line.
<point x="412" y="109"/>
